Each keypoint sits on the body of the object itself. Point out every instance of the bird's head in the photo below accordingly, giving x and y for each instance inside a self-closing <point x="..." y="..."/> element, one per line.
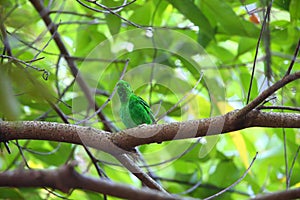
<point x="124" y="90"/>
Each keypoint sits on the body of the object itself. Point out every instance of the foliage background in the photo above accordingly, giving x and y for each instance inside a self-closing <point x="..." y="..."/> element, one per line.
<point x="229" y="36"/>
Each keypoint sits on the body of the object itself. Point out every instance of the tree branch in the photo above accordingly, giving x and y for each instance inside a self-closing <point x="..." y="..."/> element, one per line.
<point x="86" y="136"/>
<point x="134" y="169"/>
<point x="66" y="178"/>
<point x="124" y="141"/>
<point x="286" y="195"/>
<point x="265" y="94"/>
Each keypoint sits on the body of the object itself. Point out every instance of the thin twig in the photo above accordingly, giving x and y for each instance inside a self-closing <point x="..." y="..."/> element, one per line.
<point x="4" y="35"/>
<point x="134" y="169"/>
<point x="109" y="10"/>
<point x="45" y="72"/>
<point x="22" y="155"/>
<point x="15" y="159"/>
<point x="108" y="99"/>
<point x="157" y="164"/>
<point x="265" y="94"/>
<point x="294" y="58"/>
<point x="92" y="22"/>
<point x="75" y="13"/>
<point x="204" y="185"/>
<point x="113" y="9"/>
<point x="192" y="188"/>
<point x="279" y="108"/>
<point x="292" y="167"/>
<point x="75" y="58"/>
<point x="256" y="51"/>
<point x="42" y="153"/>
<point x="122" y="6"/>
<point x="180" y="100"/>
<point x="267" y="45"/>
<point x="235" y="183"/>
<point x="285" y="158"/>
<point x="44" y="47"/>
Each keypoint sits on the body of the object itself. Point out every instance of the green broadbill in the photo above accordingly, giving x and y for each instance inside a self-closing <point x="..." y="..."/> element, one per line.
<point x="134" y="110"/>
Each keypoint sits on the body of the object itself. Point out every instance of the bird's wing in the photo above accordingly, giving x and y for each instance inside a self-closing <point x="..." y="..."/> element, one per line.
<point x="140" y="111"/>
<point x="147" y="108"/>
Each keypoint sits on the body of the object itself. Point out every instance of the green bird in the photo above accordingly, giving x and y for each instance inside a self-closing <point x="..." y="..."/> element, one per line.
<point x="134" y="110"/>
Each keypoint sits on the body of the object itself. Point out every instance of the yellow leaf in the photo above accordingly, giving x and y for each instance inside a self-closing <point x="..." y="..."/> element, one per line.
<point x="236" y="136"/>
<point x="240" y="145"/>
<point x="224" y="107"/>
<point x="296" y="185"/>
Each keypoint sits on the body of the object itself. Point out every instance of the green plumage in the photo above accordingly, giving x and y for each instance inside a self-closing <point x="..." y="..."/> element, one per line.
<point x="134" y="110"/>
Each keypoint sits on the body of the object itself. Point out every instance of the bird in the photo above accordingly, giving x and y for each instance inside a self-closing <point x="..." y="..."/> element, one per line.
<point x="134" y="110"/>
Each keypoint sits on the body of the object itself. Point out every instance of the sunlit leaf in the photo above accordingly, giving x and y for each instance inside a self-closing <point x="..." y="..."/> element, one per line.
<point x="9" y="105"/>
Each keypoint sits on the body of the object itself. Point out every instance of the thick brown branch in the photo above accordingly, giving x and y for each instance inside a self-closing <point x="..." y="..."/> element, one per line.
<point x="286" y="195"/>
<point x="73" y="134"/>
<point x="66" y="178"/>
<point x="204" y="127"/>
<point x="118" y="143"/>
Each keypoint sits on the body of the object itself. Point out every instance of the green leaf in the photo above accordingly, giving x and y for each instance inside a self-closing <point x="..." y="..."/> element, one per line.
<point x="220" y="176"/>
<point x="245" y="77"/>
<point x="283" y="4"/>
<point x="88" y="37"/>
<point x="50" y="156"/>
<point x="175" y="112"/>
<point x="195" y="15"/>
<point x="113" y="23"/>
<point x="246" y="45"/>
<point x="9" y="105"/>
<point x="222" y="53"/>
<point x="229" y="22"/>
<point x="31" y="193"/>
<point x="142" y="15"/>
<point x="294" y="10"/>
<point x="10" y="193"/>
